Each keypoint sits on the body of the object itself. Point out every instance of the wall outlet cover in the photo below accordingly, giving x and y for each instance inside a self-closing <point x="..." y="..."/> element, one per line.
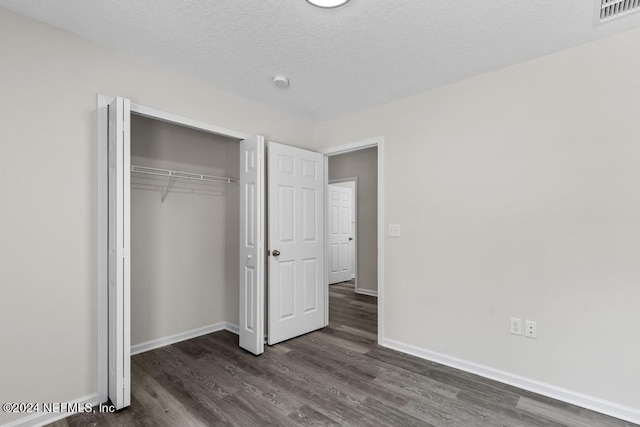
<point x="394" y="230"/>
<point x="531" y="329"/>
<point x="515" y="326"/>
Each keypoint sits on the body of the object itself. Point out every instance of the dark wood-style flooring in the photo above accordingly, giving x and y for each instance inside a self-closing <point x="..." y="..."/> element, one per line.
<point x="336" y="376"/>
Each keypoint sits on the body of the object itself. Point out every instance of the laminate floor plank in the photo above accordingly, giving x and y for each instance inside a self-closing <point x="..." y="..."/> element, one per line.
<point x="307" y="416"/>
<point x="355" y="387"/>
<point x="203" y="408"/>
<point x="350" y="362"/>
<point x="316" y="394"/>
<point x="347" y="344"/>
<point x="438" y="405"/>
<point x="336" y="376"/>
<point x="258" y="388"/>
<point x="417" y="387"/>
<point x="162" y="406"/>
<point x="443" y="374"/>
<point x="569" y="415"/>
<point x="373" y="337"/>
<point x="350" y="336"/>
<point x="390" y="415"/>
<point x="160" y="360"/>
<point x="505" y="412"/>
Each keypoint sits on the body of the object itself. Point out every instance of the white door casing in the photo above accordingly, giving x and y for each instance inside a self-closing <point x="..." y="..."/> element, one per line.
<point x="340" y="201"/>
<point x="252" y="250"/>
<point x="296" y="291"/>
<point x="119" y="272"/>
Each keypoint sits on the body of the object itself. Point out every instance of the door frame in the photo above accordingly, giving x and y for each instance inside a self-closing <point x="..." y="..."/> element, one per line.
<point x="353" y="179"/>
<point x="348" y="148"/>
<point x="102" y="158"/>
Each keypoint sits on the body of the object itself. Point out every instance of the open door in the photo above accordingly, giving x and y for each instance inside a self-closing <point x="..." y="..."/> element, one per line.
<point x="119" y="254"/>
<point x="296" y="294"/>
<point x="252" y="251"/>
<point x="340" y="239"/>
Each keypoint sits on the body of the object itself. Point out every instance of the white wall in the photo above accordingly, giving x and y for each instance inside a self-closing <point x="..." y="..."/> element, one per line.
<point x="184" y="251"/>
<point x="48" y="85"/>
<point x="364" y="165"/>
<point x="518" y="195"/>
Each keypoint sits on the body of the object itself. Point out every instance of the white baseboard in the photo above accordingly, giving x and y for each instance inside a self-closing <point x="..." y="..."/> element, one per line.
<point x="367" y="292"/>
<point x="232" y="327"/>
<point x="613" y="409"/>
<point x="183" y="336"/>
<point x="42" y="419"/>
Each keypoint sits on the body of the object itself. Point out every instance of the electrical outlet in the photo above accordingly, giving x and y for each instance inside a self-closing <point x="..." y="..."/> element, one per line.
<point x="516" y="326"/>
<point x="394" y="230"/>
<point x="531" y="329"/>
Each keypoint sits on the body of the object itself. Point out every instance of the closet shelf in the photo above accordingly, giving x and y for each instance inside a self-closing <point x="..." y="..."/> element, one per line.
<point x="173" y="175"/>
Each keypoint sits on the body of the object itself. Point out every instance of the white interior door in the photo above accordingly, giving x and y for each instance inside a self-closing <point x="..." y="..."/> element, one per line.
<point x="252" y="251"/>
<point x="340" y="237"/>
<point x="119" y="254"/>
<point x="296" y="290"/>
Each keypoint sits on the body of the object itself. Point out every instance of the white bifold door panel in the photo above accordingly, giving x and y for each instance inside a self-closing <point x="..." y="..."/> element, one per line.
<point x="340" y="239"/>
<point x="252" y="250"/>
<point x="296" y="290"/>
<point x="119" y="271"/>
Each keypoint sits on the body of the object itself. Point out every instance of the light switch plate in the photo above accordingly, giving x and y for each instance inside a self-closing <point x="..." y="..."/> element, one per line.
<point x="394" y="230"/>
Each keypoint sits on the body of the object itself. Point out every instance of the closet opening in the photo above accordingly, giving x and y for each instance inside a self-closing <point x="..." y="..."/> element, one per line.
<point x="184" y="233"/>
<point x="168" y="218"/>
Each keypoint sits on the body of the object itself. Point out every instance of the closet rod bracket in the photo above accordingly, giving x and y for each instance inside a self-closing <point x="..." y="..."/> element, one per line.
<point x="166" y="190"/>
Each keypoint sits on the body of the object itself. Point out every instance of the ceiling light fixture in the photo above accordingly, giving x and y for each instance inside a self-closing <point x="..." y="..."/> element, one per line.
<point x="327" y="4"/>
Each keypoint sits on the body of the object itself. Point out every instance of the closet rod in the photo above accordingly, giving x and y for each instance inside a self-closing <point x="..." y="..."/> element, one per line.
<point x="172" y="174"/>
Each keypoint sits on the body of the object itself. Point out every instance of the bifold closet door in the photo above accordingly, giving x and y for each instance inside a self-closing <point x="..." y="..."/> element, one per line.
<point x="252" y="250"/>
<point x="296" y="291"/>
<point x="119" y="253"/>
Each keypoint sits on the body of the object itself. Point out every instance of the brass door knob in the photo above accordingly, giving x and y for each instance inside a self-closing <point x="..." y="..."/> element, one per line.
<point x="276" y="252"/>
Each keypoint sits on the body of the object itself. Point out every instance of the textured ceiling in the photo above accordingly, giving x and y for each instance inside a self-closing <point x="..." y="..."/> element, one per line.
<point x="339" y="60"/>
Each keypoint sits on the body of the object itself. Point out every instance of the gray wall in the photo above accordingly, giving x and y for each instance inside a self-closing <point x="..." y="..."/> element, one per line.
<point x="363" y="164"/>
<point x="184" y="254"/>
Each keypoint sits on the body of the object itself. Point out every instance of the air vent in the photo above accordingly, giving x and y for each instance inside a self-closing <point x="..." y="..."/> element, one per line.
<point x="610" y="9"/>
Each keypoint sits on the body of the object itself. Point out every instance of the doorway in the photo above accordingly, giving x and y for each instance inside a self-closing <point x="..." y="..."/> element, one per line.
<point x="358" y="165"/>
